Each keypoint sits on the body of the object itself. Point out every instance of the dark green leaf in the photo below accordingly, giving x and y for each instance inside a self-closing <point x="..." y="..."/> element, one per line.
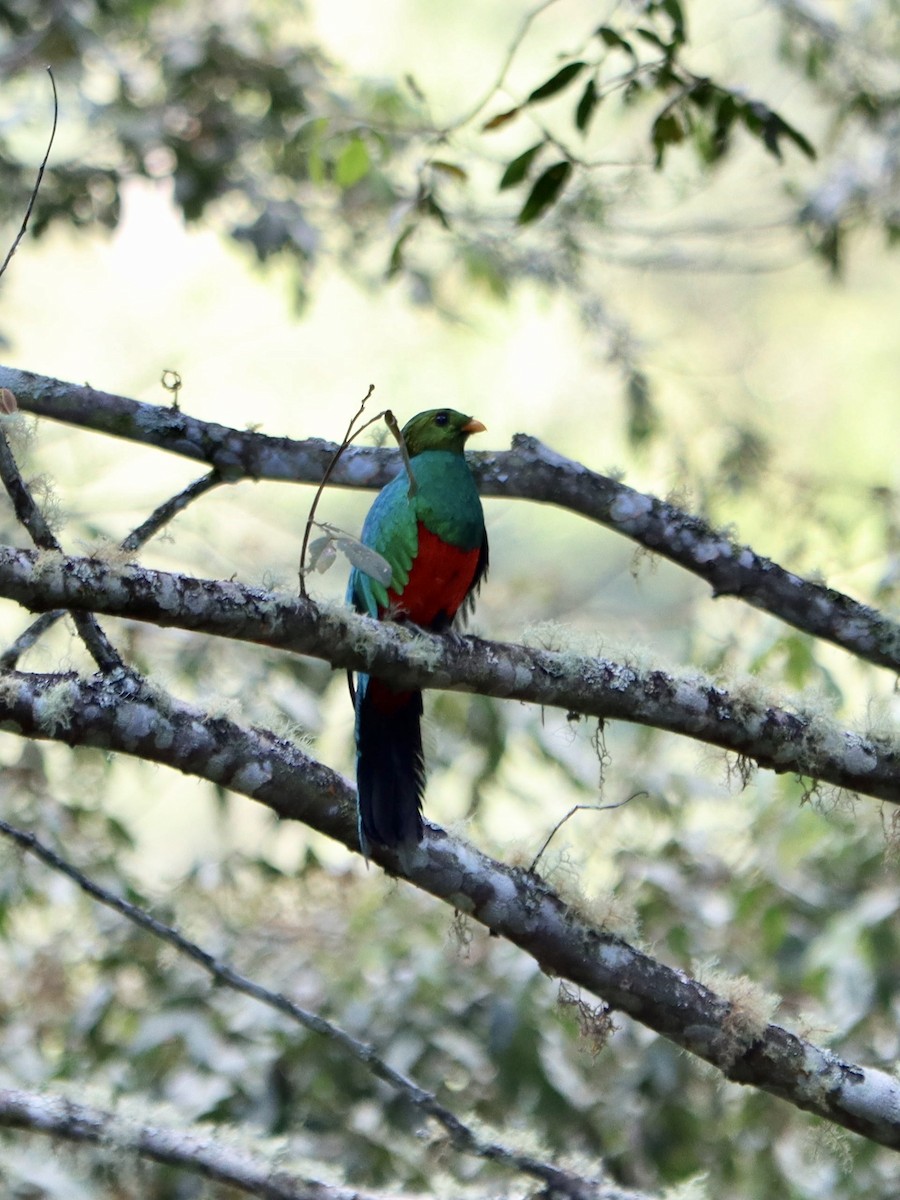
<point x="726" y="112"/>
<point x="829" y="244"/>
<point x="674" y="11"/>
<point x="668" y="130"/>
<point x="795" y="136"/>
<point x="431" y="208"/>
<point x="643" y="420"/>
<point x="396" y="263"/>
<point x="614" y="40"/>
<point x="519" y="167"/>
<point x="546" y="189"/>
<point x="586" y="105"/>
<point x="557" y="82"/>
<point x="703" y="93"/>
<point x="655" y="40"/>
<point x="762" y="121"/>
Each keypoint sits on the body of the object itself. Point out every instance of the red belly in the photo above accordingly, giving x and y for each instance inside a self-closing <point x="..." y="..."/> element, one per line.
<point x="439" y="581"/>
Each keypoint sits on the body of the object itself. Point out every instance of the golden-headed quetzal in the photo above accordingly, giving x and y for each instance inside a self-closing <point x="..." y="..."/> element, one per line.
<point x="436" y="545"/>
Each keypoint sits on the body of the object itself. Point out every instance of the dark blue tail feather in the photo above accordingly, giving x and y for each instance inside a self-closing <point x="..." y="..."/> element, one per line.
<point x="390" y="766"/>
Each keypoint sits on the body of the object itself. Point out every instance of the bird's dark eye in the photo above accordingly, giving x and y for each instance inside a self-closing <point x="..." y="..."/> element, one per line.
<point x="442" y="418"/>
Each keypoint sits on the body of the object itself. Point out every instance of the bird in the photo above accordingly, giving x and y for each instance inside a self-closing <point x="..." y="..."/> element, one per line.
<point x="435" y="543"/>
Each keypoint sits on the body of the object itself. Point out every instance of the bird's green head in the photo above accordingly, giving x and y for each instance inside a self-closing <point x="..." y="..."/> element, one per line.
<point x="439" y="429"/>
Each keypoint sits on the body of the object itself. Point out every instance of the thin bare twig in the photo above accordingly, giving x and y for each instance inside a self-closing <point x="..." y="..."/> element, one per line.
<point x="513" y="49"/>
<point x="394" y="426"/>
<point x="37" y="183"/>
<point x="348" y="438"/>
<point x="170" y="508"/>
<point x="571" y="813"/>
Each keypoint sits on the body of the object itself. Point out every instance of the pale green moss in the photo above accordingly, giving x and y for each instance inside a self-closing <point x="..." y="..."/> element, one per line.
<point x="47" y="565"/>
<point x="694" y="1188"/>
<point x="752" y="1007"/>
<point x="20" y="431"/>
<point x="54" y="707"/>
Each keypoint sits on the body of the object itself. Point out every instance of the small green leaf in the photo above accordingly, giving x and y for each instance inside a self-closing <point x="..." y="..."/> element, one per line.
<point x="586" y="105"/>
<point x="315" y="165"/>
<point x="519" y="167"/>
<point x="556" y="82"/>
<point x="487" y="269"/>
<point x="353" y="163"/>
<point x="545" y="191"/>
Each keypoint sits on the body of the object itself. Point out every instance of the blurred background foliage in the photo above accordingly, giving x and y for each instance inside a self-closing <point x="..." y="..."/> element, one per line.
<point x="602" y="224"/>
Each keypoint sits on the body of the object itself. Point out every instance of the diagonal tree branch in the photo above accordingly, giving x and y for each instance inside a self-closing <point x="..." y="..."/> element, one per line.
<point x="692" y="705"/>
<point x="204" y="1154"/>
<point x="464" y="1139"/>
<point x="124" y="714"/>
<point x="528" y="471"/>
<point x="210" y="1154"/>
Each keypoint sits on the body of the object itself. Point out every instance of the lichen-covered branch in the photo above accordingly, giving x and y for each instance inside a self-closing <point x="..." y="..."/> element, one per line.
<point x="203" y="1154"/>
<point x="528" y="471"/>
<point x="736" y="1036"/>
<point x="211" y="1154"/>
<point x="693" y="705"/>
<point x="729" y="568"/>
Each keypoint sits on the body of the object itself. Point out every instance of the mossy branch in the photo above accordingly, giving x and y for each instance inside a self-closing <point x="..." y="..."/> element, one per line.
<point x="208" y="1153"/>
<point x="528" y="471"/>
<point x="693" y="705"/>
<point x="124" y="714"/>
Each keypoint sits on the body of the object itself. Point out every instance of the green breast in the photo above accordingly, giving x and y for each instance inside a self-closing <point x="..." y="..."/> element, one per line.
<point x="447" y="502"/>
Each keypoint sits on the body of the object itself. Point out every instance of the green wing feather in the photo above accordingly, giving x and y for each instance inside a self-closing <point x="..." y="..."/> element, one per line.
<point x="391" y="528"/>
